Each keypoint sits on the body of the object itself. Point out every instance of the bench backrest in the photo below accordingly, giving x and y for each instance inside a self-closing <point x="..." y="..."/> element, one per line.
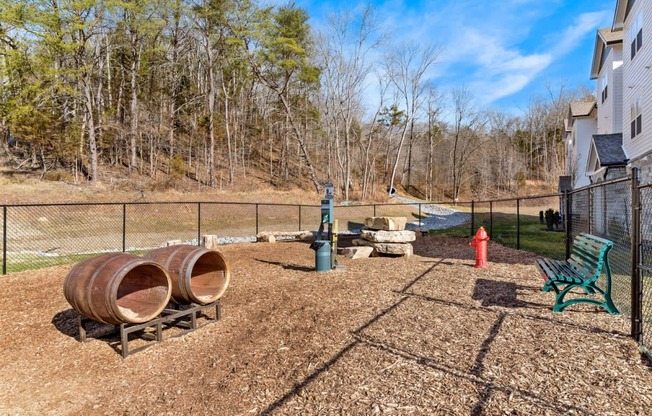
<point x="588" y="255"/>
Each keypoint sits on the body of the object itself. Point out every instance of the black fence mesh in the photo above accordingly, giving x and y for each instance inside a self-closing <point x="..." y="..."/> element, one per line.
<point x="605" y="211"/>
<point x="646" y="267"/>
<point x="35" y="236"/>
<point x="228" y="220"/>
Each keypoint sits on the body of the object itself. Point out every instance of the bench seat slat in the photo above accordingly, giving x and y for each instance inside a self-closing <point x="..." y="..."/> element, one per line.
<point x="559" y="271"/>
<point x="588" y="250"/>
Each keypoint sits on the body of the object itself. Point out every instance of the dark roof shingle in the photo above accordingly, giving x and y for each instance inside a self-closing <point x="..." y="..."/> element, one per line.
<point x="610" y="149"/>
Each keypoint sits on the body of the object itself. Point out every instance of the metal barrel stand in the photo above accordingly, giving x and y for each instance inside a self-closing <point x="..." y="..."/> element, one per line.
<point x="179" y="318"/>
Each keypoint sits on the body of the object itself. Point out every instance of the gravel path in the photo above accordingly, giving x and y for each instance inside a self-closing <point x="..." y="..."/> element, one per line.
<point x="438" y="217"/>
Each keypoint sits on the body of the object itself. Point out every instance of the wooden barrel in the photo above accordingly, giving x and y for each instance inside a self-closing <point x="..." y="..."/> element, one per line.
<point x="198" y="275"/>
<point x="118" y="288"/>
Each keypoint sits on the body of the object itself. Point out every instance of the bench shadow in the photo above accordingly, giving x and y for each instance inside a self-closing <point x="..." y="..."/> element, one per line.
<point x="500" y="293"/>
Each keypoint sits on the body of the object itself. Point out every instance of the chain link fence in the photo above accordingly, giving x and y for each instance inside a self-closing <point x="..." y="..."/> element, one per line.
<point x="645" y="267"/>
<point x="43" y="235"/>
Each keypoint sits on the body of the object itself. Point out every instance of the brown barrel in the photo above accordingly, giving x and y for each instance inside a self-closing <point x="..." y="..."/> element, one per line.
<point x="198" y="275"/>
<point x="118" y="288"/>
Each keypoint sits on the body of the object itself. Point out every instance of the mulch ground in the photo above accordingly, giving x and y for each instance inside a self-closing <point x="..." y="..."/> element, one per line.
<point x="428" y="334"/>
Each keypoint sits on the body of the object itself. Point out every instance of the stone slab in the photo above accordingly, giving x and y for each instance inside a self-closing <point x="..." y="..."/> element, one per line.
<point x="272" y="236"/>
<point x="360" y="252"/>
<point x="395" y="249"/>
<point x="386" y="223"/>
<point x="381" y="236"/>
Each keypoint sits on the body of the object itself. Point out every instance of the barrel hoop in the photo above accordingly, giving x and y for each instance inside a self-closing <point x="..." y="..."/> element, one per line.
<point x="185" y="273"/>
<point x="91" y="284"/>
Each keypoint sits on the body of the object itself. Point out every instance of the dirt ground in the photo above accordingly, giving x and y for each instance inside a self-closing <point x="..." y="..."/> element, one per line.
<point x="428" y="334"/>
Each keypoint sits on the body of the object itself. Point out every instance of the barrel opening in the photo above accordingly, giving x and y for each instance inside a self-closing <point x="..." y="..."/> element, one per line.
<point x="142" y="291"/>
<point x="209" y="278"/>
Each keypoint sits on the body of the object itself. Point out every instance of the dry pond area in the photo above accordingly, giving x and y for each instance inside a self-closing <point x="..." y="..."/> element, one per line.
<point x="428" y="334"/>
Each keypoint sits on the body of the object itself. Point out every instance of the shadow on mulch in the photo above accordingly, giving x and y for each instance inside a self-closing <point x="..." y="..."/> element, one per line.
<point x="67" y="322"/>
<point x="500" y="293"/>
<point x="475" y="375"/>
<point x="459" y="248"/>
<point x="287" y="266"/>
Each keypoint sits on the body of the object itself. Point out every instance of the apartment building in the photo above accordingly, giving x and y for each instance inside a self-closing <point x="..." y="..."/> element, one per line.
<point x="622" y="67"/>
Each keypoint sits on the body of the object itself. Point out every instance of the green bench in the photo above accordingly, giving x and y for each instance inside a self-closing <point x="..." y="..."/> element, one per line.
<point x="589" y="257"/>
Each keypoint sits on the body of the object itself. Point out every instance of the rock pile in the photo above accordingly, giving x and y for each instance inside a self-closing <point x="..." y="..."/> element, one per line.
<point x="387" y="235"/>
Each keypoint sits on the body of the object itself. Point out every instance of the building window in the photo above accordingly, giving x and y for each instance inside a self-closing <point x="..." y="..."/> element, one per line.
<point x="636" y="33"/>
<point x="605" y="85"/>
<point x="636" y="117"/>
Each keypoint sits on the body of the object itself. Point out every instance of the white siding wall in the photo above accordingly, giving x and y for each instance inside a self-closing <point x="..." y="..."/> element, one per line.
<point x="610" y="113"/>
<point x="637" y="82"/>
<point x="606" y="108"/>
<point x="584" y="128"/>
<point x="617" y="89"/>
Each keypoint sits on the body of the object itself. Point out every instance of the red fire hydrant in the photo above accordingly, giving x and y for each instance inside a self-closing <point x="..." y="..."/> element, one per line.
<point x="480" y="244"/>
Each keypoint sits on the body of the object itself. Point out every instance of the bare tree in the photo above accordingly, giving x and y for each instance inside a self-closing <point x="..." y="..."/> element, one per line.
<point x="466" y="126"/>
<point x="408" y="66"/>
<point x="348" y="42"/>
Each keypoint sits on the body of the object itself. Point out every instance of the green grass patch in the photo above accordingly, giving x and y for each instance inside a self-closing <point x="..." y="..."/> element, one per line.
<point x="22" y="262"/>
<point x="534" y="236"/>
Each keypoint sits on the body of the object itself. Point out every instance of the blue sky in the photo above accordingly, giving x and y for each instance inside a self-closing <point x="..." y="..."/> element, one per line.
<point x="504" y="51"/>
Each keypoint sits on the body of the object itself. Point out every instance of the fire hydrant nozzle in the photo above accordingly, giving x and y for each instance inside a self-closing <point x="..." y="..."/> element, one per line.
<point x="480" y="244"/>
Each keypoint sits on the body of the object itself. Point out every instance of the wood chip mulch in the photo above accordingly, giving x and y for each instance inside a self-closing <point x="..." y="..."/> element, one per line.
<point x="428" y="334"/>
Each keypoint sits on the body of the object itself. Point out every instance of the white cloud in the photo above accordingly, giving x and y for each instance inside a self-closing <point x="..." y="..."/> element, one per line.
<point x="583" y="25"/>
<point x="498" y="49"/>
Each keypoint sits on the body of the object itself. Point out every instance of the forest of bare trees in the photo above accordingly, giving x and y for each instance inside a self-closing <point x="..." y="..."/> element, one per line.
<point x="214" y="91"/>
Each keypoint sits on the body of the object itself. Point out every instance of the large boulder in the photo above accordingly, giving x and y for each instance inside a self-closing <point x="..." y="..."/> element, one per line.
<point x="381" y="236"/>
<point x="386" y="223"/>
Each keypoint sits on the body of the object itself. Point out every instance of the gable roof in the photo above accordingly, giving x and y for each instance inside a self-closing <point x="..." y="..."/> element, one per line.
<point x="604" y="38"/>
<point x="609" y="149"/>
<point x="578" y="109"/>
<point x="582" y="108"/>
<point x="622" y="10"/>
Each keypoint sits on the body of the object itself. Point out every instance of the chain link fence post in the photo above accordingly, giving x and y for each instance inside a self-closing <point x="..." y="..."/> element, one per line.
<point x="491" y="218"/>
<point x="568" y="223"/>
<point x="124" y="228"/>
<point x="198" y="223"/>
<point x="4" y="240"/>
<point x="637" y="314"/>
<point x="518" y="223"/>
<point x="256" y="219"/>
<point x="472" y="217"/>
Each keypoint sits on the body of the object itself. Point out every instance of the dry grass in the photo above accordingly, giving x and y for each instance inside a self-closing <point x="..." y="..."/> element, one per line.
<point x="427" y="334"/>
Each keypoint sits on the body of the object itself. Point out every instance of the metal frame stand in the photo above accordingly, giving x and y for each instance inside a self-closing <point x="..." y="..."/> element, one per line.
<point x="169" y="317"/>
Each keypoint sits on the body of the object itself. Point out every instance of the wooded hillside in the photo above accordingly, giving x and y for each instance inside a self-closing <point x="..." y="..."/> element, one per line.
<point x="213" y="90"/>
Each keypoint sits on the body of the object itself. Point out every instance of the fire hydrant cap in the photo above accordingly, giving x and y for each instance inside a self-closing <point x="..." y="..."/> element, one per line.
<point x="481" y="234"/>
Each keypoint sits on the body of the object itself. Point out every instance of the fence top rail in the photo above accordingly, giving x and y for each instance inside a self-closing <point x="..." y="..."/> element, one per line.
<point x="518" y="198"/>
<point x="600" y="184"/>
<point x="71" y="204"/>
<point x="450" y="203"/>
